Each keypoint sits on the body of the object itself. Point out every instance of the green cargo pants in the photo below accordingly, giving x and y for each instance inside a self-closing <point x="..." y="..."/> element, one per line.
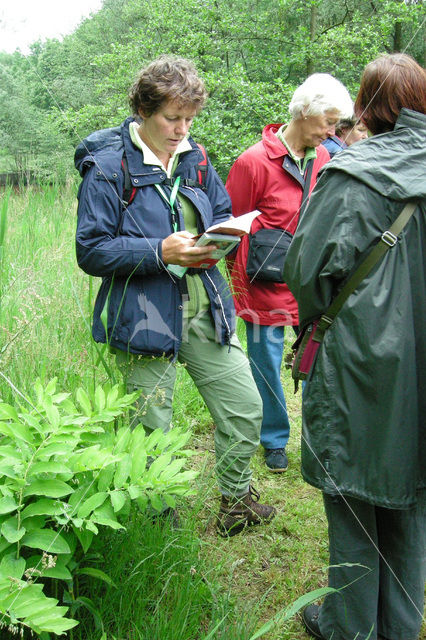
<point x="223" y="377"/>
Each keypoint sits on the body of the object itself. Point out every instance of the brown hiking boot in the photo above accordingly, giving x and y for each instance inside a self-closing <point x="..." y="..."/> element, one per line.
<point x="237" y="513"/>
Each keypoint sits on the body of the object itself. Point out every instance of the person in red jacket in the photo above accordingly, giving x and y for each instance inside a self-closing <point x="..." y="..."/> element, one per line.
<point x="271" y="176"/>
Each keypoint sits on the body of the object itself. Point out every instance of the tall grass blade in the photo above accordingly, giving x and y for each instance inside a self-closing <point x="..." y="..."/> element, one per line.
<point x="3" y="216"/>
<point x="213" y="631"/>
<point x="3" y="220"/>
<point x="285" y="614"/>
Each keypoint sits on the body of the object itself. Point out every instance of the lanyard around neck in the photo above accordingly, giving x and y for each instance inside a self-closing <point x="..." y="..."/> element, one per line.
<point x="171" y="201"/>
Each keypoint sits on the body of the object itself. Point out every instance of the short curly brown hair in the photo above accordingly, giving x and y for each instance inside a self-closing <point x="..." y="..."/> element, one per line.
<point x="167" y="78"/>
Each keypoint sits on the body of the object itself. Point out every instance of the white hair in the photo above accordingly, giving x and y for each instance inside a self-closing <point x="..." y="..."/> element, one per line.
<point x="320" y="93"/>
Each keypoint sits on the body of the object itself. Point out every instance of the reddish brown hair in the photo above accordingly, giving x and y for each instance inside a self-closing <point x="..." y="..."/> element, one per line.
<point x="388" y="84"/>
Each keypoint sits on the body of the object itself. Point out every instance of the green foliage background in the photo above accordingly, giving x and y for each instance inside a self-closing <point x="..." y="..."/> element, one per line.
<point x="252" y="54"/>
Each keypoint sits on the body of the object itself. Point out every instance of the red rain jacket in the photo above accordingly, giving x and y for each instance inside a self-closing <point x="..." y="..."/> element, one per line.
<point x="264" y="177"/>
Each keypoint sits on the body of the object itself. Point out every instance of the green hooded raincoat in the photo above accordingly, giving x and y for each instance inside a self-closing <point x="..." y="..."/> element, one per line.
<point x="364" y="405"/>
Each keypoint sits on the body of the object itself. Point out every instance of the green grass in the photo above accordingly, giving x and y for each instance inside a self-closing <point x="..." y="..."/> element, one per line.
<point x="44" y="321"/>
<point x="171" y="584"/>
<point x="167" y="588"/>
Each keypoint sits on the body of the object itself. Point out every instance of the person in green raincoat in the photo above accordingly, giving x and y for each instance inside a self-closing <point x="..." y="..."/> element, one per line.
<point x="364" y="403"/>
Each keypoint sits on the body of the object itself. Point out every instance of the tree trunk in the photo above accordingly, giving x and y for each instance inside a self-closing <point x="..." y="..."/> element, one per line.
<point x="397" y="37"/>
<point x="310" y="65"/>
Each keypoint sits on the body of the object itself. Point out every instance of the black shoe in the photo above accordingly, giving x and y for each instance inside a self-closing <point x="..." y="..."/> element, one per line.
<point x="310" y="616"/>
<point x="276" y="460"/>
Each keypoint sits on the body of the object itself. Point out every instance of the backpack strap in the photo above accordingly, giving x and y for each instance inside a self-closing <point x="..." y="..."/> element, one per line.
<point x="129" y="190"/>
<point x="201" y="181"/>
<point x="202" y="167"/>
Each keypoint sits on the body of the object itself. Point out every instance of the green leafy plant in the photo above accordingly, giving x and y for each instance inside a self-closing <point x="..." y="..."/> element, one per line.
<point x="70" y="466"/>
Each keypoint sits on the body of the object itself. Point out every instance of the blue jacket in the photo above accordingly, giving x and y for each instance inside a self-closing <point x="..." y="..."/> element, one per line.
<point x="139" y="301"/>
<point x="334" y="144"/>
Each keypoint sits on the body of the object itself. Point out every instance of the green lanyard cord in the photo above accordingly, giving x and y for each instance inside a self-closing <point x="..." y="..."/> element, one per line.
<point x="171" y="201"/>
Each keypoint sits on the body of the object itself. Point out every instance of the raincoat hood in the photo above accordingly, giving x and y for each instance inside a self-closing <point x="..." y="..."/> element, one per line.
<point x="102" y="140"/>
<point x="400" y="176"/>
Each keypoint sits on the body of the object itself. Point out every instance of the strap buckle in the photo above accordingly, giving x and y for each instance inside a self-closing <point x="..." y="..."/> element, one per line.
<point x="324" y="323"/>
<point x="389" y="238"/>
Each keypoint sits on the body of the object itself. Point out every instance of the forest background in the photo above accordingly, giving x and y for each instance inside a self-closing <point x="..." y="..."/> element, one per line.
<point x="252" y="54"/>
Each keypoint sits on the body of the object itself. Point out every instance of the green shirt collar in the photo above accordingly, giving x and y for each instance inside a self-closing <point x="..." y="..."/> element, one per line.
<point x="310" y="152"/>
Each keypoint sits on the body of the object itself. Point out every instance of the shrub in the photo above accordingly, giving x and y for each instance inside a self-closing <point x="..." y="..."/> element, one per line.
<point x="70" y="466"/>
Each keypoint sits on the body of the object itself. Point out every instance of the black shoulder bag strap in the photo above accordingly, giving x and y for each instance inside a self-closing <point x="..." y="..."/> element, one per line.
<point x="387" y="240"/>
<point x="308" y="178"/>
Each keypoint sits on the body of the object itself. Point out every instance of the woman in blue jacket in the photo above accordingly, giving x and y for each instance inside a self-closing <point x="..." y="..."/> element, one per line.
<point x="147" y="190"/>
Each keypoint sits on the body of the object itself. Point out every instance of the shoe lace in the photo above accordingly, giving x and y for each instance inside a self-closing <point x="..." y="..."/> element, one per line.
<point x="255" y="496"/>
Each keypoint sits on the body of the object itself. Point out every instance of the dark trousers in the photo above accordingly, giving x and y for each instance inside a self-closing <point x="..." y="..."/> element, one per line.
<point x="384" y="596"/>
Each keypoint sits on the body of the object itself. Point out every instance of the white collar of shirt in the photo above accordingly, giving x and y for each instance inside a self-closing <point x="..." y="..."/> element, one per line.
<point x="149" y="156"/>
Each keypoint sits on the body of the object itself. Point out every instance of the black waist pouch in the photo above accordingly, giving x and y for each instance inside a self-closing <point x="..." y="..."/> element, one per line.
<point x="266" y="254"/>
